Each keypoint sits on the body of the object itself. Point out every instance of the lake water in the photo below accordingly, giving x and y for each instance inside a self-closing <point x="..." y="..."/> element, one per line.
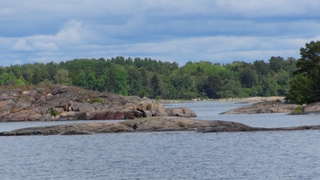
<point x="169" y="155"/>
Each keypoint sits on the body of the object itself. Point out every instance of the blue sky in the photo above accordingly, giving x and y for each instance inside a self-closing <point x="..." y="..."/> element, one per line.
<point x="220" y="31"/>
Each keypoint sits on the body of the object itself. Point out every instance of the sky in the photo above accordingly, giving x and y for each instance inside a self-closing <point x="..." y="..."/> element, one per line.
<point x="219" y="31"/>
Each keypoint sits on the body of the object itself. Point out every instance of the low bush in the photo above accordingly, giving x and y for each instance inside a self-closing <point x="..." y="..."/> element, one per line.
<point x="298" y="110"/>
<point x="14" y="110"/>
<point x="54" y="112"/>
<point x="96" y="100"/>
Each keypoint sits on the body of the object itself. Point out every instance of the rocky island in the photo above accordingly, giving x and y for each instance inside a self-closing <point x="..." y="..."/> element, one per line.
<point x="275" y="106"/>
<point x="58" y="103"/>
<point x="153" y="124"/>
<point x="264" y="107"/>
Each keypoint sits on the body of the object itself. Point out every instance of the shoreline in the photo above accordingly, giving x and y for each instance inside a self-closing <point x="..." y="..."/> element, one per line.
<point x="237" y="100"/>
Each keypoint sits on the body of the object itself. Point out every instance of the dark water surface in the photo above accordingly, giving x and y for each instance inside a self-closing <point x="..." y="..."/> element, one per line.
<point x="173" y="155"/>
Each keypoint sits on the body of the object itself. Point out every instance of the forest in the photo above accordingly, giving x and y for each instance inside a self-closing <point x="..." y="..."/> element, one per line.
<point x="167" y="80"/>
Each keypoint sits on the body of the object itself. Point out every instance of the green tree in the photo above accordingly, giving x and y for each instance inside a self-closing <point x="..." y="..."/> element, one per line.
<point x="305" y="88"/>
<point x="301" y="90"/>
<point x="262" y="67"/>
<point x="134" y="81"/>
<point x="40" y="73"/>
<point x="155" y="86"/>
<point x="183" y="86"/>
<point x="269" y="86"/>
<point x="232" y="89"/>
<point x="8" y="79"/>
<point x="117" y="80"/>
<point x="82" y="81"/>
<point x="20" y="81"/>
<point x="100" y="84"/>
<point x="248" y="77"/>
<point x="145" y="79"/>
<point x="28" y="72"/>
<point x="213" y="86"/>
<point x="51" y="69"/>
<point x="276" y="63"/>
<point x="91" y="79"/>
<point x="62" y="77"/>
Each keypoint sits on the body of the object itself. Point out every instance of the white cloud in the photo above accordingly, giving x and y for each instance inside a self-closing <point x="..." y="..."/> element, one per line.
<point x="222" y="49"/>
<point x="69" y="34"/>
<point x="45" y="46"/>
<point x="181" y="30"/>
<point x="216" y="49"/>
<point x="21" y="45"/>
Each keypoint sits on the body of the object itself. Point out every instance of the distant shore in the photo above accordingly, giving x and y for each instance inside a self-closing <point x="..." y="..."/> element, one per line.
<point x="237" y="100"/>
<point x="252" y="99"/>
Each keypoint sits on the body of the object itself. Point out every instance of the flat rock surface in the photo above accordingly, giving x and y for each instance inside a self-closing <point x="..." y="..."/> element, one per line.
<point x="153" y="124"/>
<point x="312" y="108"/>
<point x="263" y="107"/>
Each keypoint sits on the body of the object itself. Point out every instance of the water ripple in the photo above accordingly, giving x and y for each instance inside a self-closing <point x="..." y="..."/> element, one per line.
<point x="172" y="155"/>
<point x="256" y="155"/>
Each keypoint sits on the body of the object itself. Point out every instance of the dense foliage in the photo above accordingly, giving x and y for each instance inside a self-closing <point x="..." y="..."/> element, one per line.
<point x="305" y="87"/>
<point x="157" y="79"/>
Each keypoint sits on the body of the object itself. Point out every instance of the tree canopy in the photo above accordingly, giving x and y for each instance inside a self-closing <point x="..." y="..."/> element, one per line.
<point x="157" y="79"/>
<point x="305" y="87"/>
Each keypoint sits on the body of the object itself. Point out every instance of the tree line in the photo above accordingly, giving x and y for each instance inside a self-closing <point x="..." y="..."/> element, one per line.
<point x="156" y="79"/>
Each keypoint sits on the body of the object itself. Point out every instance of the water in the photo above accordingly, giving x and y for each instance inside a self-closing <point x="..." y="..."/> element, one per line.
<point x="172" y="155"/>
<point x="211" y="111"/>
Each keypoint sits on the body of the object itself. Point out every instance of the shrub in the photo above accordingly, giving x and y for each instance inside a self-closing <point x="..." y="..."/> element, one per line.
<point x="298" y="110"/>
<point x="96" y="100"/>
<point x="142" y="94"/>
<point x="54" y="112"/>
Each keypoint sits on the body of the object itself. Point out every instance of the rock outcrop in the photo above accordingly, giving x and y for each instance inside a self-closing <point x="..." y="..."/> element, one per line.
<point x="264" y="107"/>
<point x="181" y="112"/>
<point x="73" y="129"/>
<point x="55" y="103"/>
<point x="154" y="124"/>
<point x="312" y="108"/>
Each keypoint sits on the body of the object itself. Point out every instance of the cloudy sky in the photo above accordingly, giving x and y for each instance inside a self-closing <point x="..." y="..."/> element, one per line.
<point x="182" y="30"/>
